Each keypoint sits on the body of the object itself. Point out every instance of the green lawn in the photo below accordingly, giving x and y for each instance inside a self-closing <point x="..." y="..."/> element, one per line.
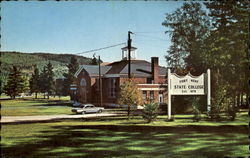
<point x="118" y="137"/>
<point x="30" y="106"/>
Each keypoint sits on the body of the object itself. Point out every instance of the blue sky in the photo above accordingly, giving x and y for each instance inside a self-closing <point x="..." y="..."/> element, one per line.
<point x="75" y="27"/>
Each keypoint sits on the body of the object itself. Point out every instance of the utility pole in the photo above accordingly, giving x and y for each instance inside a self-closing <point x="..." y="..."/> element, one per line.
<point x="129" y="54"/>
<point x="100" y="81"/>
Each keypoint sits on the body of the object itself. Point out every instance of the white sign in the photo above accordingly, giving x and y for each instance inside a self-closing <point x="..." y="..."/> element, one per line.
<point x="188" y="85"/>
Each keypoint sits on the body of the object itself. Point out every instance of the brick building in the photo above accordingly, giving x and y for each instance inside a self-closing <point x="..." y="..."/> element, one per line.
<point x="149" y="77"/>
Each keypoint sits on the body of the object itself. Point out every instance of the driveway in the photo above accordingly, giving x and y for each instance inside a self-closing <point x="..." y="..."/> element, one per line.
<point x="14" y="119"/>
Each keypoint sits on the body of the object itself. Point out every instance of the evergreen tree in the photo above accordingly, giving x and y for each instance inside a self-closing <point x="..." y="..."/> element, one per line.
<point x="26" y="84"/>
<point x="189" y="27"/>
<point x="2" y="82"/>
<point x="50" y="79"/>
<point x="43" y="81"/>
<point x="34" y="82"/>
<point x="150" y="112"/>
<point x="14" y="84"/>
<point x="69" y="77"/>
<point x="228" y="49"/>
<point x="219" y="43"/>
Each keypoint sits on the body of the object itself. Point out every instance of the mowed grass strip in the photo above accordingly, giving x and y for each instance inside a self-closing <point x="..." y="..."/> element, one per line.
<point x="31" y="107"/>
<point x="119" y="137"/>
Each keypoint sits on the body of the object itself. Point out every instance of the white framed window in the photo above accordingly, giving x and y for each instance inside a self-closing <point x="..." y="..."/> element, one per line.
<point x="144" y="95"/>
<point x="151" y="95"/>
<point x="161" y="97"/>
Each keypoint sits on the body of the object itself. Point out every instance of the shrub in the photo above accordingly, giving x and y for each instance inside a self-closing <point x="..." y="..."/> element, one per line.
<point x="231" y="112"/>
<point x="197" y="113"/>
<point x="217" y="103"/>
<point x="150" y="112"/>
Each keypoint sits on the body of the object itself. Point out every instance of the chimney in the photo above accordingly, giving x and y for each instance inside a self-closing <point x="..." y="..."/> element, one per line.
<point x="155" y="69"/>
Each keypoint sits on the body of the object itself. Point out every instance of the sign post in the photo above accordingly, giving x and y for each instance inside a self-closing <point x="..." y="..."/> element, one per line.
<point x="188" y="85"/>
<point x="169" y="94"/>
<point x="208" y="91"/>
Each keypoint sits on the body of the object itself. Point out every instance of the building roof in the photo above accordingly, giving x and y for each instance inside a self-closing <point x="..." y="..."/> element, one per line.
<point x="140" y="68"/>
<point x="104" y="63"/>
<point x="92" y="70"/>
<point x="137" y="67"/>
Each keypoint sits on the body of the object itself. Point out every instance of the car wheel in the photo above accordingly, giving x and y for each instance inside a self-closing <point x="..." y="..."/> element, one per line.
<point x="83" y="112"/>
<point x="100" y="111"/>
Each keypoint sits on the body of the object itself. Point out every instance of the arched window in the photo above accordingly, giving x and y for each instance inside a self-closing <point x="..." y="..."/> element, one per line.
<point x="83" y="90"/>
<point x="83" y="82"/>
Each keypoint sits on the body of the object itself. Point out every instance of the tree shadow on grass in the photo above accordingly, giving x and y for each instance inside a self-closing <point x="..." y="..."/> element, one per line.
<point x="54" y="104"/>
<point x="44" y="100"/>
<point x="127" y="141"/>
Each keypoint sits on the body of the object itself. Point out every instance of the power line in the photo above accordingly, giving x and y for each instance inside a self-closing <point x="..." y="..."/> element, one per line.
<point x="150" y="44"/>
<point x="93" y="50"/>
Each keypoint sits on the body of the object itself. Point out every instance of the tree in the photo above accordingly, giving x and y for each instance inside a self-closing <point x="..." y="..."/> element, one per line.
<point x="129" y="95"/>
<point x="2" y="82"/>
<point x="50" y="79"/>
<point x="59" y="87"/>
<point x="26" y="84"/>
<point x="188" y="27"/>
<point x="34" y="82"/>
<point x="150" y="112"/>
<point x="69" y="77"/>
<point x="43" y="81"/>
<point x="219" y="43"/>
<point x="47" y="80"/>
<point x="227" y="45"/>
<point x="14" y="83"/>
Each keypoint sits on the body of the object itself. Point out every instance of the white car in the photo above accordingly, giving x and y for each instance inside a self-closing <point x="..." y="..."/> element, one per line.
<point x="87" y="108"/>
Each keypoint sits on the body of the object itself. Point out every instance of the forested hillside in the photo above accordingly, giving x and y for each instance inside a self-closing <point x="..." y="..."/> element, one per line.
<point x="27" y="61"/>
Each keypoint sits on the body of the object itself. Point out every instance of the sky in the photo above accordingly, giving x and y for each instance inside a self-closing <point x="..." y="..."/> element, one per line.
<point x="76" y="27"/>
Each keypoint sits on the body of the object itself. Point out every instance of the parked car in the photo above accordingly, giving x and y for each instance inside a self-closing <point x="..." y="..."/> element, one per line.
<point x="87" y="108"/>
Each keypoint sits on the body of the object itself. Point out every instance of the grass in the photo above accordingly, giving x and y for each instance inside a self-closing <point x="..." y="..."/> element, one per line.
<point x="119" y="137"/>
<point x="30" y="106"/>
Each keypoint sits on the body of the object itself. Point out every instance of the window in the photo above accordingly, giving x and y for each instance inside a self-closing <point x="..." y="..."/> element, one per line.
<point x="151" y="95"/>
<point x="149" y="80"/>
<point x="112" y="83"/>
<point x="83" y="90"/>
<point x="161" y="100"/>
<point x="144" y="95"/>
<point x="83" y="82"/>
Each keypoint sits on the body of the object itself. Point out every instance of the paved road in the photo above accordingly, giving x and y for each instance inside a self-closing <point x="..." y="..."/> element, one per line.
<point x="13" y="119"/>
